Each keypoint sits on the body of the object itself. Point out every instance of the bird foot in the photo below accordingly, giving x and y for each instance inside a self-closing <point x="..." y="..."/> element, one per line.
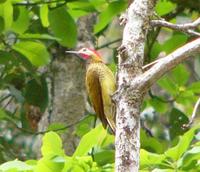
<point x="123" y="19"/>
<point x="122" y="50"/>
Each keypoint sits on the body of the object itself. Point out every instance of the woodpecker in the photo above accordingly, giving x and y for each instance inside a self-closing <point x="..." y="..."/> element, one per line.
<point x="100" y="84"/>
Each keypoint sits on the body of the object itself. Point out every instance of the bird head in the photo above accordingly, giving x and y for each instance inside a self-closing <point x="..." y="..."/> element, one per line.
<point x="87" y="54"/>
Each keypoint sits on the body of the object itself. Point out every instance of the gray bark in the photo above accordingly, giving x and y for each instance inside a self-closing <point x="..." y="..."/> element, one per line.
<point x="129" y="95"/>
<point x="133" y="83"/>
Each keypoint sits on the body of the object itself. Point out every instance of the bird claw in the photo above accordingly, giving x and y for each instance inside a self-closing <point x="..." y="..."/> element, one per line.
<point x="123" y="19"/>
<point x="121" y="49"/>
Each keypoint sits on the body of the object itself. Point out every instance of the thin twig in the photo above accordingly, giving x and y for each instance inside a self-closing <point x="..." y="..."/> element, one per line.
<point x="9" y="101"/>
<point x="194" y="113"/>
<point x="4" y="98"/>
<point x="149" y="65"/>
<point x="43" y="132"/>
<point x="40" y="2"/>
<point x="109" y="43"/>
<point x="161" y="99"/>
<point x="187" y="27"/>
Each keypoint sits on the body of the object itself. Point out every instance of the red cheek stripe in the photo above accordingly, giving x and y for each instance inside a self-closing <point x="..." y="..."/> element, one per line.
<point x="84" y="56"/>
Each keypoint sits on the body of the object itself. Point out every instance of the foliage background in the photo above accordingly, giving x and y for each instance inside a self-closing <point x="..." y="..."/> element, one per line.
<point x="32" y="35"/>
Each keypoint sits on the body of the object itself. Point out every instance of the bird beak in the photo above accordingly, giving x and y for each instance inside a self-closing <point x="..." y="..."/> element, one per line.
<point x="76" y="53"/>
<point x="72" y="52"/>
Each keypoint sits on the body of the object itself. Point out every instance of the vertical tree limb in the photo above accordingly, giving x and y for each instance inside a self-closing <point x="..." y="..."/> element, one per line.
<point x="128" y="96"/>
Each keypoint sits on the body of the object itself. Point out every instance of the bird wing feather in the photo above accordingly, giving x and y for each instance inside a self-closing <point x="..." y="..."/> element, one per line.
<point x="108" y="88"/>
<point x="100" y="84"/>
<point x="95" y="95"/>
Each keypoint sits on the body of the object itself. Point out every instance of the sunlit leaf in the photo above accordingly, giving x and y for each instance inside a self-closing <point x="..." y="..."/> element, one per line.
<point x="35" y="52"/>
<point x="180" y="75"/>
<point x="20" y="25"/>
<point x="17" y="165"/>
<point x="6" y="12"/>
<point x="176" y="41"/>
<point x="150" y="159"/>
<point x="106" y="16"/>
<point x="191" y="156"/>
<point x="38" y="36"/>
<point x="89" y="140"/>
<point x="44" y="10"/>
<point x="164" y="7"/>
<point x="177" y="151"/>
<point x="51" y="145"/>
<point x="65" y="30"/>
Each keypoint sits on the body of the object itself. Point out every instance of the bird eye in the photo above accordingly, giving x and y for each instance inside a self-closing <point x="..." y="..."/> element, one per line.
<point x="84" y="49"/>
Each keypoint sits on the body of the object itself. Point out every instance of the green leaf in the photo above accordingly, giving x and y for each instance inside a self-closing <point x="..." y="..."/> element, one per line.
<point x="36" y="93"/>
<point x="191" y="156"/>
<point x="44" y="10"/>
<point x="104" y="157"/>
<point x="1" y="24"/>
<point x="65" y="30"/>
<point x="195" y="87"/>
<point x="107" y="15"/>
<point x="35" y="52"/>
<point x="176" y="41"/>
<point x="85" y="125"/>
<point x="164" y="6"/>
<point x="6" y="12"/>
<point x="180" y="75"/>
<point x="99" y="4"/>
<point x="155" y="51"/>
<point x="89" y="140"/>
<point x="3" y="114"/>
<point x="20" y="25"/>
<point x="38" y="36"/>
<point x="185" y="96"/>
<point x="2" y="1"/>
<point x="148" y="159"/>
<point x="52" y="145"/>
<point x="158" y="105"/>
<point x="5" y="58"/>
<point x="48" y="164"/>
<point x="150" y="143"/>
<point x="83" y="5"/>
<point x="176" y="121"/>
<point x="167" y="83"/>
<point x="17" y="165"/>
<point x="177" y="151"/>
<point x="77" y="13"/>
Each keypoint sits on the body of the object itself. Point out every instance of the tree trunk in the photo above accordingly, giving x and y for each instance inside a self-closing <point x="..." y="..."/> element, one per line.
<point x="129" y="94"/>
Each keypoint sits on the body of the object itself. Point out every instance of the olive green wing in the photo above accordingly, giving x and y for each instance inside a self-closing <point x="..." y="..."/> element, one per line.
<point x="108" y="87"/>
<point x="95" y="94"/>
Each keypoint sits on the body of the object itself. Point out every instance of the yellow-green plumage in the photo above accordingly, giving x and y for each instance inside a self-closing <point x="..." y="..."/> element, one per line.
<point x="100" y="84"/>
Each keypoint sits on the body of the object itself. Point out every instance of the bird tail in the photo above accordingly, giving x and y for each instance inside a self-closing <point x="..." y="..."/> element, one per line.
<point x="112" y="125"/>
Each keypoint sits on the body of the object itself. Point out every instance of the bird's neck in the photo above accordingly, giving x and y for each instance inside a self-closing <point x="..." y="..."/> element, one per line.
<point x="95" y="59"/>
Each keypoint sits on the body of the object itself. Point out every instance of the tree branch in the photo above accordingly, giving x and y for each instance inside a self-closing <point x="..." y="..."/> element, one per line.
<point x="187" y="27"/>
<point x="108" y="43"/>
<point x="27" y="3"/>
<point x="27" y="131"/>
<point x="167" y="63"/>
